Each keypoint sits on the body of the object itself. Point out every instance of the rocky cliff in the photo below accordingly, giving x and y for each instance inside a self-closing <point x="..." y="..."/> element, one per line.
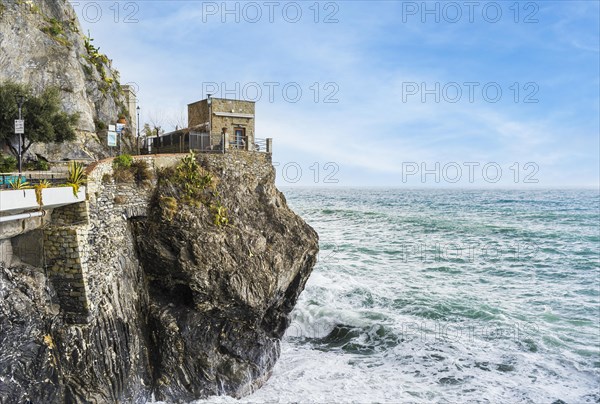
<point x="135" y="297"/>
<point x="42" y="44"/>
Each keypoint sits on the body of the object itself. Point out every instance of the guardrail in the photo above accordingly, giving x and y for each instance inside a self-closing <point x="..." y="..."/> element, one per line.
<point x="260" y="145"/>
<point x="54" y="178"/>
<point x="202" y="143"/>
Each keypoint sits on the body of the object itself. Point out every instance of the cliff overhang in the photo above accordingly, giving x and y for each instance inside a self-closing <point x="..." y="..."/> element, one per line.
<point x="130" y="302"/>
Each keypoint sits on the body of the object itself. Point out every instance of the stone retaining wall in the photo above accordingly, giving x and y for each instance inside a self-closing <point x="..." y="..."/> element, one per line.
<point x="66" y="269"/>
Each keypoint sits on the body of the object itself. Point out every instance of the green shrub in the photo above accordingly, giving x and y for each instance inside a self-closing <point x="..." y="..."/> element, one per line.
<point x="56" y="31"/>
<point x="42" y="165"/>
<point x="100" y="125"/>
<point x="36" y="165"/>
<point x="126" y="169"/>
<point x="122" y="161"/>
<point x="141" y="171"/>
<point x="192" y="177"/>
<point x="192" y="185"/>
<point x="220" y="214"/>
<point x="54" y="27"/>
<point x="8" y="164"/>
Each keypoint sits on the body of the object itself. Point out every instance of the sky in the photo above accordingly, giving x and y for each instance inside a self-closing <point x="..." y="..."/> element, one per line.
<point x="378" y="93"/>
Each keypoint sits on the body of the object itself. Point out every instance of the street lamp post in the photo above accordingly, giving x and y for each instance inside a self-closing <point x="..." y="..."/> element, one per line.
<point x="138" y="129"/>
<point x="209" y="102"/>
<point x="20" y="102"/>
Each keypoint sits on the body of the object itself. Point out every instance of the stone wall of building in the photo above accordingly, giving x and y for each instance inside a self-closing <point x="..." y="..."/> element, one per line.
<point x="198" y="114"/>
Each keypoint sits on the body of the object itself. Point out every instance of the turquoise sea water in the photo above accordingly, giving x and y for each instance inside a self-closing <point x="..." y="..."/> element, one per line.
<point x="445" y="296"/>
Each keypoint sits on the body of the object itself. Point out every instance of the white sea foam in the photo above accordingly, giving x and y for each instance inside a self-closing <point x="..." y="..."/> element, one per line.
<point x="377" y="325"/>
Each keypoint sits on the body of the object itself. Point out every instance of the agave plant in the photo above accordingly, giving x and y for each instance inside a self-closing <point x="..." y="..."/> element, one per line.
<point x="76" y="177"/>
<point x="19" y="183"/>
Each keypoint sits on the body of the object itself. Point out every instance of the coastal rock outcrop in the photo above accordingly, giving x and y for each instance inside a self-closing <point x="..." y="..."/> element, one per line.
<point x="170" y="304"/>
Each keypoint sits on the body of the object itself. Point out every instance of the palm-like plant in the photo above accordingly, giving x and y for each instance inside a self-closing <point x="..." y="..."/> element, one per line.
<point x="76" y="177"/>
<point x="19" y="183"/>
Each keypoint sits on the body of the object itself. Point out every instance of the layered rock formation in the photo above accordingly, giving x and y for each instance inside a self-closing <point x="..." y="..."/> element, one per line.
<point x="41" y="44"/>
<point x="172" y="304"/>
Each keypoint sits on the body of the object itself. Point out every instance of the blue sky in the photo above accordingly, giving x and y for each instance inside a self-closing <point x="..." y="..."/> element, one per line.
<point x="415" y="94"/>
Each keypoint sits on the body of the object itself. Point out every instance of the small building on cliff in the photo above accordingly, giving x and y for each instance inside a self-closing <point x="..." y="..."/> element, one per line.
<point x="214" y="124"/>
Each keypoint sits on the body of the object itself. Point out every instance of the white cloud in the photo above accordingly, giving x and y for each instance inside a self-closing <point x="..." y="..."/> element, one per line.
<point x="369" y="56"/>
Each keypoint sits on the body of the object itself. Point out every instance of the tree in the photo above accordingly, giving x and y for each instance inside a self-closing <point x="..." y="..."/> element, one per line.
<point x="148" y="131"/>
<point x="45" y="121"/>
<point x="178" y="120"/>
<point x="157" y="120"/>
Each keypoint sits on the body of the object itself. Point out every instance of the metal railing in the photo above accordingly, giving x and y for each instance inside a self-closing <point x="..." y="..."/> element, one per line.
<point x="204" y="142"/>
<point x="201" y="143"/>
<point x="260" y="145"/>
<point x="32" y="178"/>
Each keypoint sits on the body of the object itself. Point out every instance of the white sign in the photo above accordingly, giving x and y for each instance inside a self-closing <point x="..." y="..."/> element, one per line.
<point x="120" y="127"/>
<point x="112" y="138"/>
<point x="111" y="128"/>
<point x="19" y="126"/>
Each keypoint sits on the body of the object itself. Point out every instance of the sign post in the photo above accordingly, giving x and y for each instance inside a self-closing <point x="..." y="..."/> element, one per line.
<point x="111" y="138"/>
<point x="120" y="127"/>
<point x="19" y="126"/>
<point x="20" y="130"/>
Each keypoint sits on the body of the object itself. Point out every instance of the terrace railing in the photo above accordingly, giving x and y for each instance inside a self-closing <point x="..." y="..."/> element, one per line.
<point x="202" y="143"/>
<point x="33" y="178"/>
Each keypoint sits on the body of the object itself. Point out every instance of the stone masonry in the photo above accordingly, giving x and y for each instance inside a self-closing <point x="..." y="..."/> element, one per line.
<point x="224" y="113"/>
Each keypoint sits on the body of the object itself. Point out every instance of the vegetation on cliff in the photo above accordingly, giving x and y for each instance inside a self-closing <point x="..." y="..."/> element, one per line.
<point x="126" y="170"/>
<point x="45" y="120"/>
<point x="189" y="184"/>
<point x="43" y="46"/>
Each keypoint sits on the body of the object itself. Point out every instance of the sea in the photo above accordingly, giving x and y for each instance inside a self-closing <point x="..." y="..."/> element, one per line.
<point x="444" y="296"/>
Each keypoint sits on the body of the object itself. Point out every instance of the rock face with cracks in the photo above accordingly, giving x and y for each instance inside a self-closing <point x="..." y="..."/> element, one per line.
<point x="178" y="307"/>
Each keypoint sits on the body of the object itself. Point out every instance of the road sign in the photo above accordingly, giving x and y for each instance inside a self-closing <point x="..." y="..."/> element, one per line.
<point x="112" y="138"/>
<point x="19" y="126"/>
<point x="120" y="127"/>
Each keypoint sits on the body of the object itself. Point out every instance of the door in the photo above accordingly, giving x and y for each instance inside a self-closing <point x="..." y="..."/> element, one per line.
<point x="240" y="138"/>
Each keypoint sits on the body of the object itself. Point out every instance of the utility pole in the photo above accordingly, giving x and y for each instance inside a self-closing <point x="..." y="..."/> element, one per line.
<point x="209" y="103"/>
<point x="20" y="130"/>
<point x="138" y="129"/>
